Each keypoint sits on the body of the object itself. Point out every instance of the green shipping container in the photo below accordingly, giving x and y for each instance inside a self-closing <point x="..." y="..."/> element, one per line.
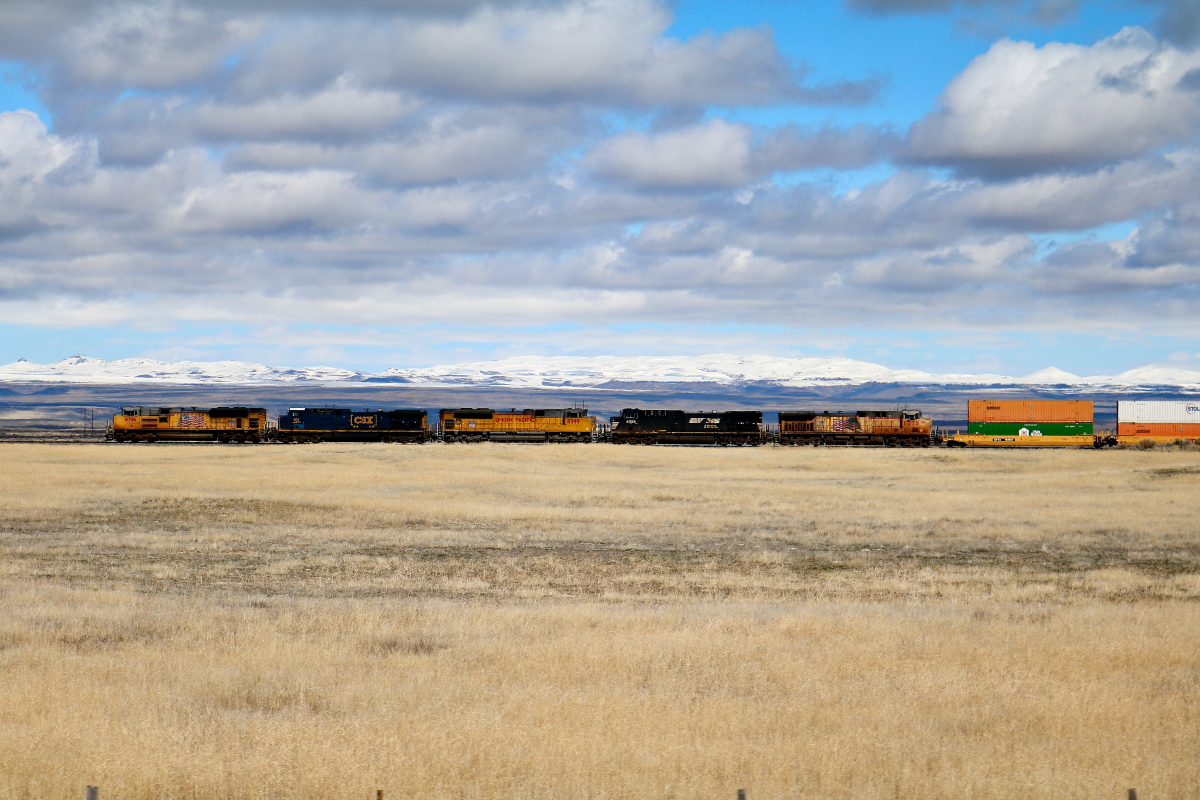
<point x="1030" y="428"/>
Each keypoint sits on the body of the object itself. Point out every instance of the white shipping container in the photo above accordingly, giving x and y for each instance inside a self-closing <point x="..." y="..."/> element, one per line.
<point x="1174" y="412"/>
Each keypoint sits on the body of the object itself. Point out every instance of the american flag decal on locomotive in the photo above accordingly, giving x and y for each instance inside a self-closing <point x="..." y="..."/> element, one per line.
<point x="192" y="420"/>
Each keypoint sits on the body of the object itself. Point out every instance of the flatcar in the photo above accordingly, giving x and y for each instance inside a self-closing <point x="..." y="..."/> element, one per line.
<point x="907" y="428"/>
<point x="669" y="426"/>
<point x="527" y="425"/>
<point x="401" y="425"/>
<point x="1030" y="423"/>
<point x="160" y="423"/>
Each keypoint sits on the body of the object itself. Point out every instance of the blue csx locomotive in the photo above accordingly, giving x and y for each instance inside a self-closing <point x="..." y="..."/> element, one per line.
<point x="404" y="425"/>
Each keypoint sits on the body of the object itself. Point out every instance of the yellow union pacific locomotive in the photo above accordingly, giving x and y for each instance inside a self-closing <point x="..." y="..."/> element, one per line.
<point x="891" y="428"/>
<point x="528" y="425"/>
<point x="155" y="424"/>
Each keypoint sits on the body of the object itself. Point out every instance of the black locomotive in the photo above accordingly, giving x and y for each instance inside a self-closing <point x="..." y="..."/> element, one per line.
<point x="654" y="426"/>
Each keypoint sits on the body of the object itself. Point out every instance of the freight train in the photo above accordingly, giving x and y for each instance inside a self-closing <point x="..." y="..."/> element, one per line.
<point x="991" y="423"/>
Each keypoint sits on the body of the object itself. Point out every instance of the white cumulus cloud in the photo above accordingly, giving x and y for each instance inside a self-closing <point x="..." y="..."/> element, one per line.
<point x="1020" y="108"/>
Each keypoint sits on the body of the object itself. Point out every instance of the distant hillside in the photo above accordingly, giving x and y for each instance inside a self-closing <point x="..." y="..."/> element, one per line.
<point x="602" y="373"/>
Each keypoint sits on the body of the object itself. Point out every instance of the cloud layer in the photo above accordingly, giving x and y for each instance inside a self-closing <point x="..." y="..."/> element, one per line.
<point x="515" y="163"/>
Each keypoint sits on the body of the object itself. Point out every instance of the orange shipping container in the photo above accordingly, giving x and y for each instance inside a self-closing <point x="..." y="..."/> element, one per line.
<point x="1181" y="430"/>
<point x="1029" y="410"/>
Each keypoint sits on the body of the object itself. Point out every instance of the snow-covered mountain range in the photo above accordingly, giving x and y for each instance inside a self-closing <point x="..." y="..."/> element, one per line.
<point x="566" y="372"/>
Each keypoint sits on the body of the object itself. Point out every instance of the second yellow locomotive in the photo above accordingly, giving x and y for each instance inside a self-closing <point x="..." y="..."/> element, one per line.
<point x="528" y="425"/>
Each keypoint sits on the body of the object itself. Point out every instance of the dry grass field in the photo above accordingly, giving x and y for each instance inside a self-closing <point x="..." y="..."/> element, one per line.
<point x="581" y="622"/>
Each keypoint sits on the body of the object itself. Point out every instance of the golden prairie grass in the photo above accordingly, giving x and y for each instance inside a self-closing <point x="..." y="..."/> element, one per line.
<point x="594" y="622"/>
<point x="355" y="519"/>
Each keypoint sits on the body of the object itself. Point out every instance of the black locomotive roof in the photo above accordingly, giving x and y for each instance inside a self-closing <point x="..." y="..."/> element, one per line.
<point x="330" y="410"/>
<point x="469" y="413"/>
<point x="674" y="412"/>
<point x="230" y="412"/>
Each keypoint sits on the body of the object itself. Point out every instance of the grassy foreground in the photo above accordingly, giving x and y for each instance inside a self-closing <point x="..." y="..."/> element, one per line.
<point x="596" y="622"/>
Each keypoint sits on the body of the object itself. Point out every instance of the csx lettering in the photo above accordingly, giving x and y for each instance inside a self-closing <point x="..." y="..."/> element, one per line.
<point x="362" y="420"/>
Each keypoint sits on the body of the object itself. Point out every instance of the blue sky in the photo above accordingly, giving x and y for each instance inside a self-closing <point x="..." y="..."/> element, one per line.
<point x="961" y="189"/>
<point x="920" y="53"/>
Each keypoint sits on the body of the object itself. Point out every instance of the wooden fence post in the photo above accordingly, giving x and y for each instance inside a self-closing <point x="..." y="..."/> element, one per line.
<point x="1132" y="794"/>
<point x="379" y="794"/>
<point x="93" y="793"/>
<point x="741" y="795"/>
